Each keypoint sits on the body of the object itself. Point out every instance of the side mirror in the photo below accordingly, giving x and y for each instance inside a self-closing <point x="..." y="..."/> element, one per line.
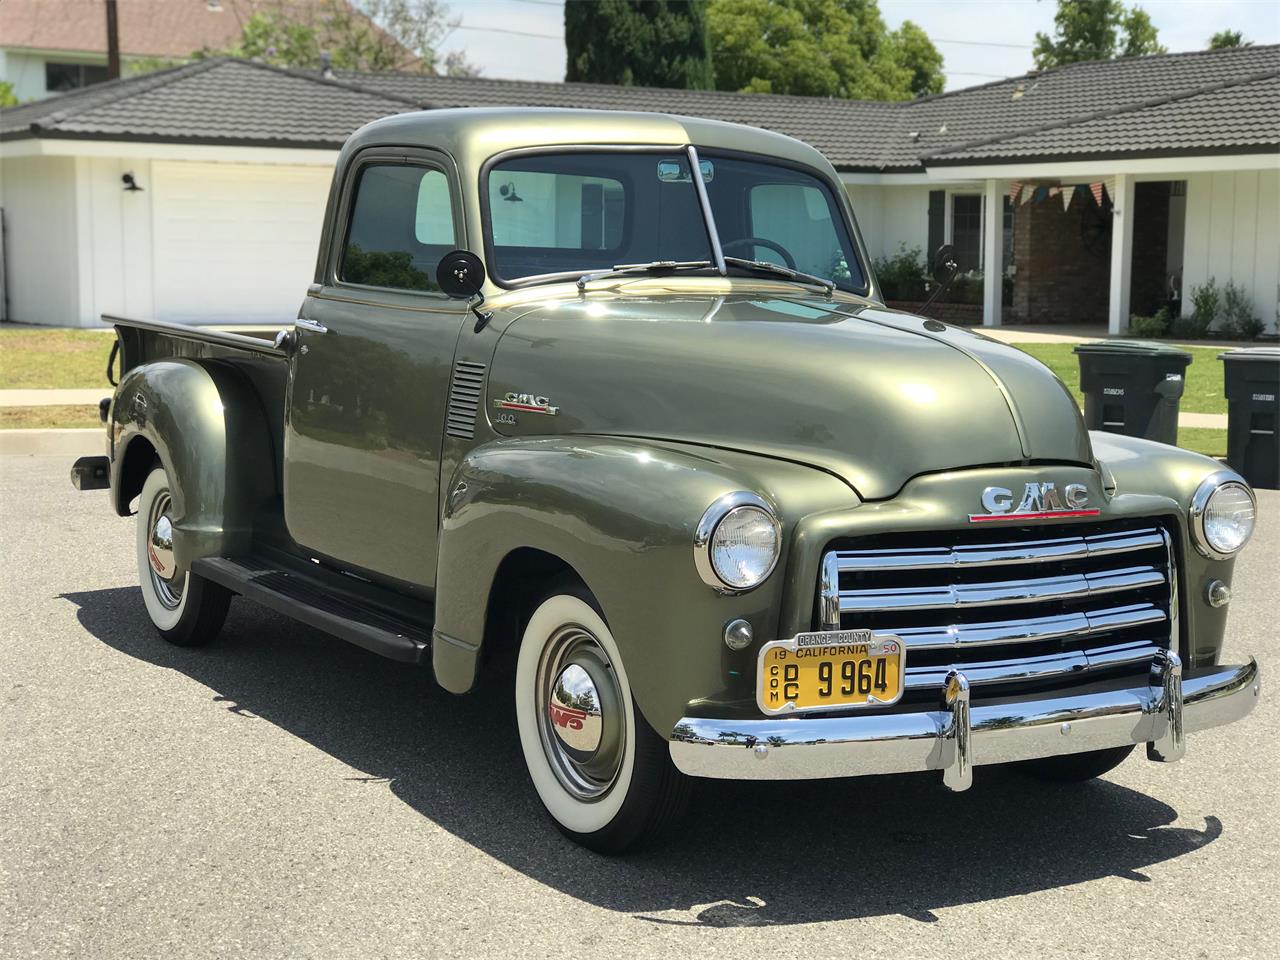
<point x="460" y="274"/>
<point x="944" y="263"/>
<point x="944" y="271"/>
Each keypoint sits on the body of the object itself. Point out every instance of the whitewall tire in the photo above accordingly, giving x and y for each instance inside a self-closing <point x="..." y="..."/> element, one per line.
<point x="186" y="609"/>
<point x="600" y="771"/>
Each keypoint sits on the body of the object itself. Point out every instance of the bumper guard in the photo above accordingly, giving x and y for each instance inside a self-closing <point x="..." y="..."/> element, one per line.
<point x="960" y="736"/>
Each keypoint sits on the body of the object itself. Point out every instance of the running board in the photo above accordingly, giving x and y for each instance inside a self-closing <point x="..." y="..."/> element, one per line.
<point x="313" y="600"/>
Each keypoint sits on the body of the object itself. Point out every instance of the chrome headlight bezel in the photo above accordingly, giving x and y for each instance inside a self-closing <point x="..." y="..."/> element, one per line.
<point x="704" y="538"/>
<point x="1210" y="486"/>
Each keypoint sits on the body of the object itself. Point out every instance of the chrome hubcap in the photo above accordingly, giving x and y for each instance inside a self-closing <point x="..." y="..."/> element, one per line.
<point x="160" y="559"/>
<point x="580" y="713"/>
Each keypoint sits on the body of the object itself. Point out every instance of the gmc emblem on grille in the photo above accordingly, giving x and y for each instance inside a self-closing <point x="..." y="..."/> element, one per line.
<point x="1040" y="501"/>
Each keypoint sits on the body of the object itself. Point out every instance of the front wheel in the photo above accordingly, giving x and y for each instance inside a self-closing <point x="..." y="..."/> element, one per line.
<point x="186" y="609"/>
<point x="602" y="773"/>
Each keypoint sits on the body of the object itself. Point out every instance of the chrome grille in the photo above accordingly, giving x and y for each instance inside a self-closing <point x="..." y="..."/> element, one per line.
<point x="464" y="399"/>
<point x="1034" y="607"/>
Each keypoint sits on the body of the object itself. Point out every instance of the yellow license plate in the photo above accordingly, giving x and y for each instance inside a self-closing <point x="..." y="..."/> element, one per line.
<point x="826" y="671"/>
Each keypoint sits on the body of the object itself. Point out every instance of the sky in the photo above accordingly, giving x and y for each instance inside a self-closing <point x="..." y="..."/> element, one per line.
<point x="980" y="40"/>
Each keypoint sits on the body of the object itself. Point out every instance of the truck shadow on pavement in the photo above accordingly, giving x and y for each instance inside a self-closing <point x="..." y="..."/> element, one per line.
<point x="747" y="854"/>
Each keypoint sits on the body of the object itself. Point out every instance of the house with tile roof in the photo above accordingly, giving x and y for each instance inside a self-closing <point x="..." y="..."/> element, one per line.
<point x="49" y="47"/>
<point x="1082" y="194"/>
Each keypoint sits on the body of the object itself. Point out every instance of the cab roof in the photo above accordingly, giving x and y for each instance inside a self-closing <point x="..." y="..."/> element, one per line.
<point x="473" y="135"/>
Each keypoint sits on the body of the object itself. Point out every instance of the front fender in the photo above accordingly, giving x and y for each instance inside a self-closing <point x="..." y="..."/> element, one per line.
<point x="206" y="425"/>
<point x="622" y="514"/>
<point x="1135" y="466"/>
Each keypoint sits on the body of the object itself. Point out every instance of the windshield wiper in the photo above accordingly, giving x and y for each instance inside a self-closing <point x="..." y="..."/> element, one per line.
<point x="653" y="266"/>
<point x="764" y="266"/>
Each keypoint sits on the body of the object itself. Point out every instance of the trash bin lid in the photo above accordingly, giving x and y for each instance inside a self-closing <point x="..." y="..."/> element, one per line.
<point x="1256" y="354"/>
<point x="1143" y="348"/>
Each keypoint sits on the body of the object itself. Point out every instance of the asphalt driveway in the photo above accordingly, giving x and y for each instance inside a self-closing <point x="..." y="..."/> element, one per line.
<point x="281" y="794"/>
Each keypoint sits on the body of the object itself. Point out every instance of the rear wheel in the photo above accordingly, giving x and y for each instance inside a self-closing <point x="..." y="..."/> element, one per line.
<point x="187" y="609"/>
<point x="1075" y="767"/>
<point x="600" y="770"/>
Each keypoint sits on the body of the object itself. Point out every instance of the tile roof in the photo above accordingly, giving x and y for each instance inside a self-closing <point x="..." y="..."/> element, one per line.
<point x="209" y="101"/>
<point x="1236" y="116"/>
<point x="1172" y="104"/>
<point x="1055" y="98"/>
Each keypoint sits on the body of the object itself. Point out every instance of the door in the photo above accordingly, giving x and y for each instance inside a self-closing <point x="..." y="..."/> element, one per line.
<point x="234" y="242"/>
<point x="370" y="374"/>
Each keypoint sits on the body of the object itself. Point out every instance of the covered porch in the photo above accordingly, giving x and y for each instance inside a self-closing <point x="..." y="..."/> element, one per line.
<point x="1085" y="244"/>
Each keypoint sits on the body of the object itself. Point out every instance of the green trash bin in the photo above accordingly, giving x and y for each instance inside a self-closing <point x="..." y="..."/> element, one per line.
<point x="1132" y="387"/>
<point x="1251" y="382"/>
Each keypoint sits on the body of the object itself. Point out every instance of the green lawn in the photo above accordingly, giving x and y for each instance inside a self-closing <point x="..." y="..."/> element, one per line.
<point x="1201" y="394"/>
<point x="1204" y="440"/>
<point x="53" y="359"/>
<point x="49" y="417"/>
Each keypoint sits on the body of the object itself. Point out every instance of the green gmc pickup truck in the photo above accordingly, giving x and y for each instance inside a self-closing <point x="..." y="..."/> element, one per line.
<point x="606" y="408"/>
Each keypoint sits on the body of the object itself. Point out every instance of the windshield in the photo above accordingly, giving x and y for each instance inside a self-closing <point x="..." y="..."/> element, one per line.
<point x="573" y="213"/>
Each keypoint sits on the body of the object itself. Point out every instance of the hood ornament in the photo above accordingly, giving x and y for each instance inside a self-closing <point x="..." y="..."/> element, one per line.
<point x="1040" y="501"/>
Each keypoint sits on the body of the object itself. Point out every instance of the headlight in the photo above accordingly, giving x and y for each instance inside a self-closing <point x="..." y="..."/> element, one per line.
<point x="1223" y="512"/>
<point x="737" y="543"/>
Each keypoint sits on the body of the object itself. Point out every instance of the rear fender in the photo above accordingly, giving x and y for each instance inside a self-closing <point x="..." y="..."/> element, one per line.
<point x="206" y="425"/>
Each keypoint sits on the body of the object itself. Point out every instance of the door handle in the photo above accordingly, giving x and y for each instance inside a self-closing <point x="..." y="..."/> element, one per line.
<point x="312" y="326"/>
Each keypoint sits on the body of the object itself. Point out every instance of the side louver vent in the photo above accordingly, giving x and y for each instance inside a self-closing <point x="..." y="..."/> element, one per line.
<point x="464" y="399"/>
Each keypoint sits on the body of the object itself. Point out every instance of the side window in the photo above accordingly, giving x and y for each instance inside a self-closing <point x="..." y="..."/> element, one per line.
<point x="401" y="225"/>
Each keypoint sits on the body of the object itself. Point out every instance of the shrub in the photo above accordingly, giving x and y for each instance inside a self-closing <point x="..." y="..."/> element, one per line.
<point x="1205" y="305"/>
<point x="1238" y="318"/>
<point x="902" y="276"/>
<point x="1154" y="326"/>
<point x="1191" y="327"/>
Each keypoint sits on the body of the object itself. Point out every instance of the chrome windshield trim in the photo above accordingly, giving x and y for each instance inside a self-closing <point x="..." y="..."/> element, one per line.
<point x="995" y="554"/>
<point x="1001" y="592"/>
<point x="713" y="234"/>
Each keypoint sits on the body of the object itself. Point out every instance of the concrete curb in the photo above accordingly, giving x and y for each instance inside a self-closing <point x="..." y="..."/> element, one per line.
<point x="67" y="443"/>
<point x="54" y="397"/>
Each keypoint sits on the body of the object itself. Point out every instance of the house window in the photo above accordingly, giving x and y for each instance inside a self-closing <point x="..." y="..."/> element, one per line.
<point x="966" y="230"/>
<point x="61" y="77"/>
<point x="401" y="225"/>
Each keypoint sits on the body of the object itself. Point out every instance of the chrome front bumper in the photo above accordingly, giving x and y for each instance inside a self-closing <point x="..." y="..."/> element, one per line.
<point x="959" y="736"/>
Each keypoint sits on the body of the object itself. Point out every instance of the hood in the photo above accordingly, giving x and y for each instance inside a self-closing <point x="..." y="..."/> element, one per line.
<point x="868" y="394"/>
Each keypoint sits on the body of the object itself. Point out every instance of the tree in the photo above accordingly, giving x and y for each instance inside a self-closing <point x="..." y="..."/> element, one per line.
<point x="912" y="49"/>
<point x="820" y="48"/>
<point x="372" y="35"/>
<point x="7" y="97"/>
<point x="1226" y="39"/>
<point x="645" y="43"/>
<point x="1095" y="30"/>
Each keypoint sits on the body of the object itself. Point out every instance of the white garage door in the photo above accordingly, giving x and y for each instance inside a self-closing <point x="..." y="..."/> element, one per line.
<point x="235" y="243"/>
